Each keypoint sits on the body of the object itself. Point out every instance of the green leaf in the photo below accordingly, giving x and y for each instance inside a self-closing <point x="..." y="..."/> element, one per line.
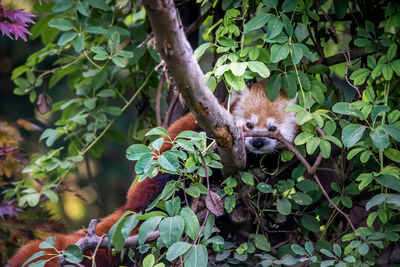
<point x="200" y="50"/>
<point x="309" y="247"/>
<point x="238" y="68"/>
<point x="310" y="223"/>
<point x="270" y="3"/>
<point x="192" y="226"/>
<point x="359" y="76"/>
<point x="289" y="5"/>
<point x="325" y="147"/>
<point x="61" y="24"/>
<point x="312" y="144"/>
<point x="352" y="133"/>
<point x="48" y="242"/>
<point x="115" y="234"/>
<point x="327" y="253"/>
<point x="261" y="242"/>
<point x="264" y="188"/>
<point x="297" y="53"/>
<point x="169" y="161"/>
<point x="230" y="203"/>
<point x="62" y="5"/>
<point x="79" y="43"/>
<point x="198" y="257"/>
<point x="302" y="199"/>
<point x="247" y="178"/>
<point x="289" y="84"/>
<point x="284" y="206"/>
<point x="100" y="4"/>
<point x="340" y="7"/>
<point x="177" y="249"/>
<point x="83" y="8"/>
<point x="173" y="206"/>
<point x="392" y="154"/>
<point x="171" y="229"/>
<point x="51" y="136"/>
<point x="254" y="52"/>
<point x="147" y="228"/>
<point x="236" y="82"/>
<point x="391" y="52"/>
<point x="298" y="250"/>
<point x="393" y="131"/>
<point x="363" y="249"/>
<point x="396" y="66"/>
<point x="389" y="181"/>
<point x="307" y="185"/>
<point x="135" y="152"/>
<point x="347" y="109"/>
<point x="125" y="54"/>
<point x="115" y="111"/>
<point x="260" y="68"/>
<point x="275" y="27"/>
<point x="387" y="72"/>
<point x="157" y="131"/>
<point x="380" y="139"/>
<point x="394" y="116"/>
<point x="96" y="30"/>
<point x="144" y="164"/>
<point x="119" y="61"/>
<point x="73" y="254"/>
<point x="273" y="87"/>
<point x="380" y="198"/>
<point x="257" y="22"/>
<point x="149" y="261"/>
<point x="34" y="256"/>
<point x="303" y="116"/>
<point x="378" y="110"/>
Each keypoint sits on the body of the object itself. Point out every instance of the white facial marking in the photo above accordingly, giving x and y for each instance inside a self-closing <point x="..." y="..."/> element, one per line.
<point x="254" y="118"/>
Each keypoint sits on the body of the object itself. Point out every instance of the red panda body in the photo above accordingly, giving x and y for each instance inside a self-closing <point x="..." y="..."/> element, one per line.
<point x="251" y="110"/>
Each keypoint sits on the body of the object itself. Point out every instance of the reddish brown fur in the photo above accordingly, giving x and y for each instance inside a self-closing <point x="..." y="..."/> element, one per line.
<point x="257" y="103"/>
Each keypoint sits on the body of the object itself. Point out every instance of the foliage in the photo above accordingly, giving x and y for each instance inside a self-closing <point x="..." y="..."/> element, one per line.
<point x="106" y="55"/>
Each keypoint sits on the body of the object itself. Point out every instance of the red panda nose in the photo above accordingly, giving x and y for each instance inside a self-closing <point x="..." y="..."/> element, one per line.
<point x="258" y="143"/>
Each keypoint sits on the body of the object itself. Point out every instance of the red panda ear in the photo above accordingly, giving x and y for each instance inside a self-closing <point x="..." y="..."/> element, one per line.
<point x="237" y="95"/>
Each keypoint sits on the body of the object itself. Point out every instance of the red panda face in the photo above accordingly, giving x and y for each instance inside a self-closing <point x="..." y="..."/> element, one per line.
<point x="253" y="111"/>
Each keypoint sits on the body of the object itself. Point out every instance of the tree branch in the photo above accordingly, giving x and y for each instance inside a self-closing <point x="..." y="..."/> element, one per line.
<point x="189" y="79"/>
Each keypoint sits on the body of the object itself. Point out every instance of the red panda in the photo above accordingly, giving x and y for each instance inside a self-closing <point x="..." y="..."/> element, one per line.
<point x="251" y="110"/>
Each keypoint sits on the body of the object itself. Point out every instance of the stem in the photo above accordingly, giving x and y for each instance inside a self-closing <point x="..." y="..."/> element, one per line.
<point x="298" y="77"/>
<point x="112" y="121"/>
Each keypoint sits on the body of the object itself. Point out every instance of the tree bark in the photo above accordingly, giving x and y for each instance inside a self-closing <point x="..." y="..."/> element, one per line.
<point x="189" y="79"/>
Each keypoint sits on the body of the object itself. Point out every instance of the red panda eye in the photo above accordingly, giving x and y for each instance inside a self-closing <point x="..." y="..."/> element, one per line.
<point x="272" y="129"/>
<point x="249" y="125"/>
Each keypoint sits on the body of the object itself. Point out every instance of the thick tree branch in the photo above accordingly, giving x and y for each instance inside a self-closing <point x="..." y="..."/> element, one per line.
<point x="189" y="79"/>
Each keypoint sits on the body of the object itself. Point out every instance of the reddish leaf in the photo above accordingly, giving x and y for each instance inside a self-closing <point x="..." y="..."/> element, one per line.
<point x="214" y="203"/>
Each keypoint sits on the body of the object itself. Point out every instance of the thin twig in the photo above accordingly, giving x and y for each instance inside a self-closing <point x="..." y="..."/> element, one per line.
<point x="158" y="99"/>
<point x="342" y="48"/>
<point x="197" y="23"/>
<point x="169" y="110"/>
<point x="95" y="251"/>
<point x="197" y="238"/>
